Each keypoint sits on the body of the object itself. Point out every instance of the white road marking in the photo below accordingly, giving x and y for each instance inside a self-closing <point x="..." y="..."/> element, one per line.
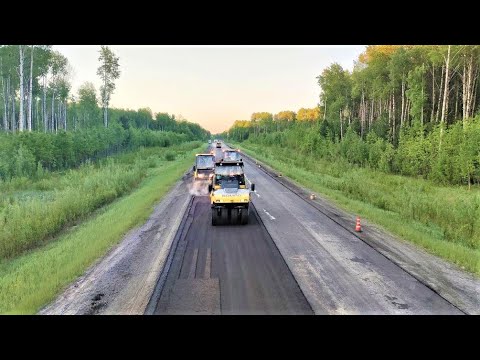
<point x="270" y="216"/>
<point x="255" y="192"/>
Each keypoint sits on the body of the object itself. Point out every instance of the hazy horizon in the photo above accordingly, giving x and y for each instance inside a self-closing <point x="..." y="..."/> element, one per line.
<point x="212" y="85"/>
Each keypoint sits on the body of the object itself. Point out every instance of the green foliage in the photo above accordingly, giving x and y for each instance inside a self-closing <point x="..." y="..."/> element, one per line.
<point x="32" y="210"/>
<point x="20" y="154"/>
<point x="170" y="156"/>
<point x="444" y="220"/>
<point x="33" y="279"/>
<point x="418" y="152"/>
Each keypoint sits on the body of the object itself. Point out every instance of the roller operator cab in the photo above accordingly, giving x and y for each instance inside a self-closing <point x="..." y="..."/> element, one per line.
<point x="229" y="196"/>
<point x="232" y="155"/>
<point x="204" y="166"/>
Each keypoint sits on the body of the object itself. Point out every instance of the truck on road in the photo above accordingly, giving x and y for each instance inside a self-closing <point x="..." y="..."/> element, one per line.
<point x="204" y="166"/>
<point x="229" y="196"/>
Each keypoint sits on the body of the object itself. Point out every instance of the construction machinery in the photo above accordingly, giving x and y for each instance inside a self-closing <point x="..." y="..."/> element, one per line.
<point x="232" y="155"/>
<point x="229" y="196"/>
<point x="204" y="166"/>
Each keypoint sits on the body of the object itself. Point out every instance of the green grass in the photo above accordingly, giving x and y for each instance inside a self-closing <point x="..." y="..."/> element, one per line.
<point x="445" y="220"/>
<point x="32" y="211"/>
<point x="33" y="279"/>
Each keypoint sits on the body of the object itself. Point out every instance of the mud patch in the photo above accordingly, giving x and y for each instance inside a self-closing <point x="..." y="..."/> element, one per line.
<point x="96" y="305"/>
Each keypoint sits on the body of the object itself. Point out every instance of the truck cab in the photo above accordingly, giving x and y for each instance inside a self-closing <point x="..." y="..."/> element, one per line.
<point x="204" y="166"/>
<point x="232" y="155"/>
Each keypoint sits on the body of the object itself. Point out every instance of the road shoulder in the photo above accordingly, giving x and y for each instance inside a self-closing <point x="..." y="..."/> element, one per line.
<point x="123" y="281"/>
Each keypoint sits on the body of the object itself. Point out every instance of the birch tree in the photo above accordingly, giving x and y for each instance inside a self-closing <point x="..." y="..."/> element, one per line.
<point x="30" y="92"/>
<point x="108" y="72"/>
<point x="21" y="119"/>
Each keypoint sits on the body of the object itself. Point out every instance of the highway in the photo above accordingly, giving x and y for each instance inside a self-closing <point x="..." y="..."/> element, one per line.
<point x="299" y="262"/>
<point x="295" y="256"/>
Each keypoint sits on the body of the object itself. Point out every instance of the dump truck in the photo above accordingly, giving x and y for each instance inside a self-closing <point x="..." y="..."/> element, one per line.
<point x="204" y="166"/>
<point x="229" y="195"/>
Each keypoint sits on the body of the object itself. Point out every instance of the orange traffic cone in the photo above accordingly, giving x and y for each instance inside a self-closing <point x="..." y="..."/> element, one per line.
<point x="358" y="227"/>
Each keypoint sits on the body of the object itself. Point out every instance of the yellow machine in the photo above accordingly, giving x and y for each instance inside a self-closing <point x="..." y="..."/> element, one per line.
<point x="229" y="196"/>
<point x="204" y="166"/>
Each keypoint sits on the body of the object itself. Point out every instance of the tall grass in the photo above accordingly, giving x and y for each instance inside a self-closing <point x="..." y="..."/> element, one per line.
<point x="33" y="211"/>
<point x="34" y="278"/>
<point x="445" y="220"/>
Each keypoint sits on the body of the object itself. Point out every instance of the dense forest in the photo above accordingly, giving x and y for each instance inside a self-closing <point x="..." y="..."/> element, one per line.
<point x="44" y="126"/>
<point x="412" y="110"/>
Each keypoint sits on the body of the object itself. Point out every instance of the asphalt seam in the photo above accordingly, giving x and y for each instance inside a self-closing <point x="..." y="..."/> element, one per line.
<point x="315" y="206"/>
<point x="157" y="292"/>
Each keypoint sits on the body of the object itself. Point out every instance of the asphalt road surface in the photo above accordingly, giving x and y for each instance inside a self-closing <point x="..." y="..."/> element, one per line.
<point x="228" y="270"/>
<point x="338" y="272"/>
<point x="295" y="260"/>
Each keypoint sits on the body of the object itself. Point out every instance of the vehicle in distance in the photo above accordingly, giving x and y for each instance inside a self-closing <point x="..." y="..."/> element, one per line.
<point x="204" y="166"/>
<point x="229" y="196"/>
<point x="209" y="141"/>
<point x="219" y="144"/>
<point x="232" y="155"/>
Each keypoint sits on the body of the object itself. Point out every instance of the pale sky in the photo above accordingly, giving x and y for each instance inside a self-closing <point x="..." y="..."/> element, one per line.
<point x="212" y="85"/>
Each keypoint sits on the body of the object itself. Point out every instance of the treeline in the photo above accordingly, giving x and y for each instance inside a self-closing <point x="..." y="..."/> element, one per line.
<point x="30" y="154"/>
<point x="46" y="127"/>
<point x="403" y="109"/>
<point x="36" y="95"/>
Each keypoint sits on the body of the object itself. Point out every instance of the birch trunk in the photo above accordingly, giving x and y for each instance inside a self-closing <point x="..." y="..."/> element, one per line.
<point x="65" y="115"/>
<point x="432" y="115"/>
<point x="5" y="113"/>
<point x="456" y="102"/>
<point x="30" y="86"/>
<point x="440" y="96"/>
<point x="44" y="105"/>
<point x="53" y="111"/>
<point x="464" y="94"/>
<point x="21" y="115"/>
<point x="393" y="117"/>
<point x="403" y="102"/>
<point x="423" y="98"/>
<point x="445" y="91"/>
<point x="14" y="118"/>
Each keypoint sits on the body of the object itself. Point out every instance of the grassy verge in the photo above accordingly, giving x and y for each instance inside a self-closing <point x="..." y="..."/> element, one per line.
<point x="33" y="279"/>
<point x="34" y="210"/>
<point x="445" y="220"/>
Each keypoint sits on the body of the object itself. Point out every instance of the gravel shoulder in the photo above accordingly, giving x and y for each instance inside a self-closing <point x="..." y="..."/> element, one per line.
<point x="123" y="281"/>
